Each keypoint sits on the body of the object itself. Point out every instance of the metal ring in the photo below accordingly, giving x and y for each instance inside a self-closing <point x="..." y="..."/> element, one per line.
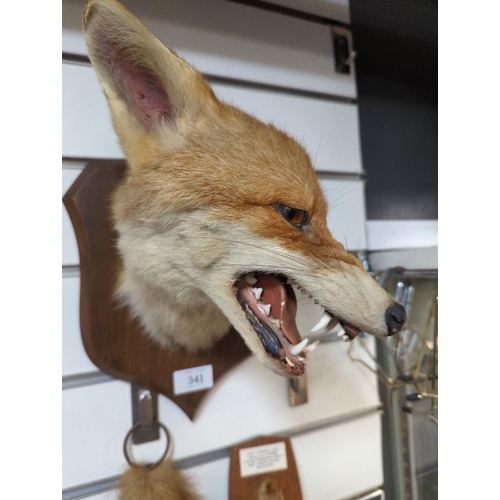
<point x="153" y="464"/>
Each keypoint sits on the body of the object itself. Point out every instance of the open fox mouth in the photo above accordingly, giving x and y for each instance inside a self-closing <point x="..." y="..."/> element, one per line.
<point x="270" y="305"/>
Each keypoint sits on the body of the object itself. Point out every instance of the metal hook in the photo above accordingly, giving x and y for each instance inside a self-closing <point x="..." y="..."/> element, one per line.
<point x="144" y="415"/>
<point x="146" y="426"/>
<point x="297" y="390"/>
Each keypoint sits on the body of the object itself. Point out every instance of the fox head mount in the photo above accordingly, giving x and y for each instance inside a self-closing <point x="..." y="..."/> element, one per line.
<point x="219" y="214"/>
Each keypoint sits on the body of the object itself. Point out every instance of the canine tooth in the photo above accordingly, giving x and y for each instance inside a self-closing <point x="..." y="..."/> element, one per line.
<point x="282" y="303"/>
<point x="250" y="279"/>
<point x="265" y="307"/>
<point x="257" y="292"/>
<point x="311" y="347"/>
<point x="341" y="333"/>
<point x="303" y="360"/>
<point x="323" y="321"/>
<point x="296" y="349"/>
<point x="346" y="338"/>
<point x="275" y="322"/>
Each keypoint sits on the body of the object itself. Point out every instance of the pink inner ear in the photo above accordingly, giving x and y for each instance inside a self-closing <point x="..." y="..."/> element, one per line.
<point x="136" y="84"/>
<point x="144" y="94"/>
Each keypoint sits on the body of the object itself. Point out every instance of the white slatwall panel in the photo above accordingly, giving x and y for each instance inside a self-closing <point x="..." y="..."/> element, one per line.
<point x="341" y="461"/>
<point x="249" y="401"/>
<point x="202" y="478"/>
<point x="401" y="234"/>
<point x="414" y="258"/>
<point x="86" y="124"/>
<point x="234" y="41"/>
<point x="329" y="476"/>
<point x="327" y="129"/>
<point x="346" y="211"/>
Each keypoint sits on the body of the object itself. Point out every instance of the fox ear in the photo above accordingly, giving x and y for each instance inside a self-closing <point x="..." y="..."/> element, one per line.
<point x="146" y="84"/>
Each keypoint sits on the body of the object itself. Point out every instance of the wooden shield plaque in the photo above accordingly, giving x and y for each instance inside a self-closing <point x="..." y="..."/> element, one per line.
<point x="112" y="339"/>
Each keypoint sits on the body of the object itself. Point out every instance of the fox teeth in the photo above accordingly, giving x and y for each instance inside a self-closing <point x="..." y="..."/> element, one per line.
<point x="346" y="338"/>
<point x="311" y="347"/>
<point x="324" y="323"/>
<point x="275" y="322"/>
<point x="250" y="279"/>
<point x="341" y="333"/>
<point x="265" y="307"/>
<point x="257" y="292"/>
<point x="296" y="349"/>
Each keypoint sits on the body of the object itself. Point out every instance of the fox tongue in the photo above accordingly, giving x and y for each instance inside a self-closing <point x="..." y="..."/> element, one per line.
<point x="283" y="304"/>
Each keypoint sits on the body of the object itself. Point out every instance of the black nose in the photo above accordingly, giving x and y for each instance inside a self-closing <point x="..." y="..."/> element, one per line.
<point x="395" y="317"/>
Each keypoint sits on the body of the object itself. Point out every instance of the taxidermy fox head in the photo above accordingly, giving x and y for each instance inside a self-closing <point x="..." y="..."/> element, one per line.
<point x="219" y="214"/>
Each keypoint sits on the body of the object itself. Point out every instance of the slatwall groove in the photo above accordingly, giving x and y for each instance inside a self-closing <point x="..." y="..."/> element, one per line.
<point x="79" y="60"/>
<point x="85" y="379"/>
<point x="81" y="161"/>
<point x="70" y="271"/>
<point x="235" y="41"/>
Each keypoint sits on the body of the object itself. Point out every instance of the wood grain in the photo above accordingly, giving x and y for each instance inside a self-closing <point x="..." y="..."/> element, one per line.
<point x="112" y="339"/>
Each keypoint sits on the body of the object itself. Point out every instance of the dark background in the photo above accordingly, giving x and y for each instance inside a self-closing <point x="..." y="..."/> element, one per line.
<point x="397" y="77"/>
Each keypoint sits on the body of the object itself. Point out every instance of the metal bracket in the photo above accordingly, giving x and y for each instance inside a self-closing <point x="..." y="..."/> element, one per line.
<point x="297" y="390"/>
<point x="145" y="413"/>
<point x="343" y="52"/>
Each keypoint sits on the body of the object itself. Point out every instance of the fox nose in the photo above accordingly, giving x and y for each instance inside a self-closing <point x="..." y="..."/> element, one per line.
<point x="395" y="317"/>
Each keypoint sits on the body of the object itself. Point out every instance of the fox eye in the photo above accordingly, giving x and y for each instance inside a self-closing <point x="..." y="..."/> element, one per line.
<point x="294" y="216"/>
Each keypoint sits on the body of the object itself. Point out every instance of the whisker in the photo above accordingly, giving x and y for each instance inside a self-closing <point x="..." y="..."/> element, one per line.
<point x="317" y="151"/>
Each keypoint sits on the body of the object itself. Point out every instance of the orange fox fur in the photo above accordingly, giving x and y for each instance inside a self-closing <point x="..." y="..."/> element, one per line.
<point x="197" y="213"/>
